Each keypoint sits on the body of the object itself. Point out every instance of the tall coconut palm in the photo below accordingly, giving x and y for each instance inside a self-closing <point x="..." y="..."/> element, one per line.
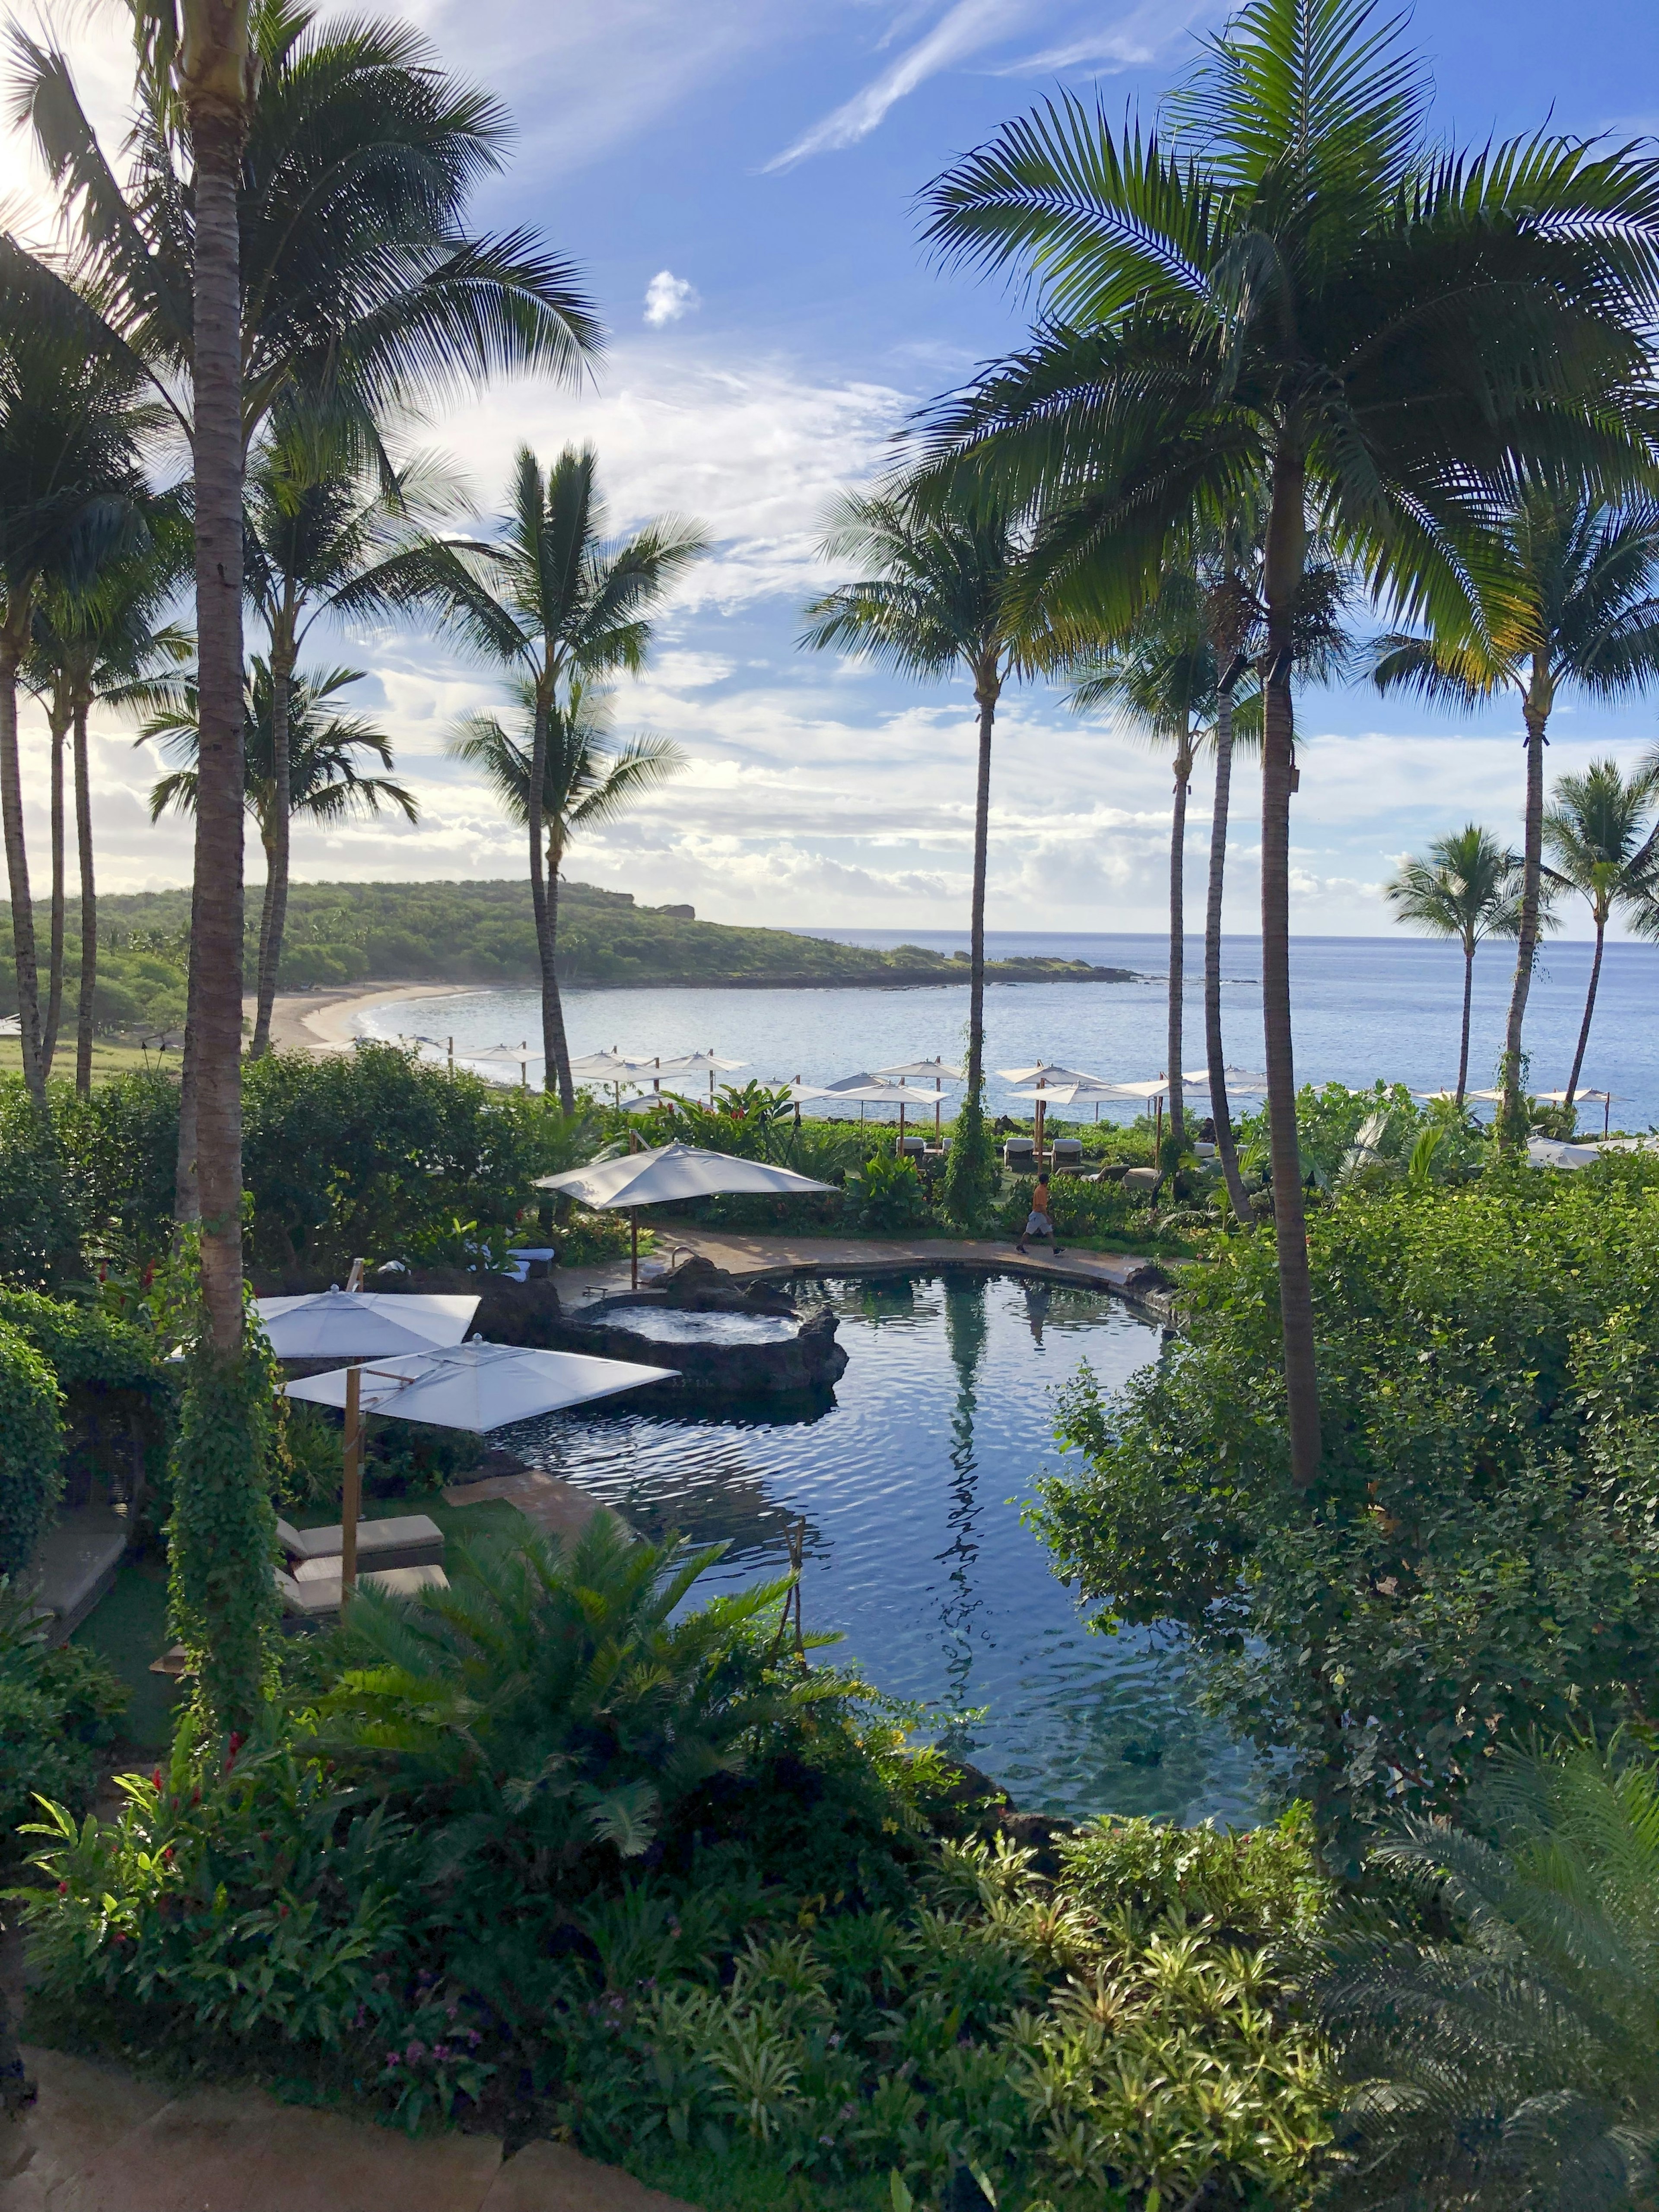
<point x="1574" y="602"/>
<point x="326" y="781"/>
<point x="1596" y="832"/>
<point x="72" y="496"/>
<point x="548" y="596"/>
<point x="1163" y="679"/>
<point x="291" y="224"/>
<point x="1298" y="298"/>
<point x="97" y="644"/>
<point x="944" y="593"/>
<point x="1466" y="886"/>
<point x="587" y="778"/>
<point x="320" y="523"/>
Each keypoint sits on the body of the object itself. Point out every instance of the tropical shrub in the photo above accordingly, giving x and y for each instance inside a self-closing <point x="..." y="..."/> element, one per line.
<point x="1510" y="2061"/>
<point x="31" y="1439"/>
<point x="1080" y="1209"/>
<point x="58" y="1707"/>
<point x="885" y="1195"/>
<point x="377" y="1154"/>
<point x="42" y="1214"/>
<point x="1481" y="1550"/>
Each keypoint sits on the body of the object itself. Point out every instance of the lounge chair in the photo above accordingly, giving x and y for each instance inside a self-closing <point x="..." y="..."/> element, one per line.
<point x="1068" y="1156"/>
<point x="409" y="1540"/>
<point x="315" y="1597"/>
<point x="1019" y="1153"/>
<point x="911" y="1148"/>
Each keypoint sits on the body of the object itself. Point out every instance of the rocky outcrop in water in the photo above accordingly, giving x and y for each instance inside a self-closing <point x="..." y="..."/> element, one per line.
<point x="747" y="1348"/>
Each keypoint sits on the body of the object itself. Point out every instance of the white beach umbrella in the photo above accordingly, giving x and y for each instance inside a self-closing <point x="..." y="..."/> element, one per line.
<point x="1046" y="1077"/>
<point x="701" y="1063"/>
<point x="924" y="1072"/>
<point x="671" y="1174"/>
<point x="1053" y="1097"/>
<point x="1555" y="1152"/>
<point x="864" y="1081"/>
<point x="337" y="1324"/>
<point x="518" y="1055"/>
<point x="478" y="1386"/>
<point x="1240" y="1079"/>
<point x="1602" y="1098"/>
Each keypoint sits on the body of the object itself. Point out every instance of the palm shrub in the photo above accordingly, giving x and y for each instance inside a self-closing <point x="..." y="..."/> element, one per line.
<point x="1512" y="2060"/>
<point x="885" y="1195"/>
<point x="58" y="1708"/>
<point x="549" y="1705"/>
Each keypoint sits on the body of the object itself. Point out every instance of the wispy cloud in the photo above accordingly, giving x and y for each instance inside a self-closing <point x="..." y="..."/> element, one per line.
<point x="1140" y="37"/>
<point x="965" y="29"/>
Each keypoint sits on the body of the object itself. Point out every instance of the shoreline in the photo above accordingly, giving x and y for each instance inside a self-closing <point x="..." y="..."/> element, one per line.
<point x="320" y="1021"/>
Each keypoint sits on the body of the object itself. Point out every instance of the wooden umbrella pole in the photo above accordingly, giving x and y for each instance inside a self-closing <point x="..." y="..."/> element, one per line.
<point x="351" y="1496"/>
<point x="633" y="1239"/>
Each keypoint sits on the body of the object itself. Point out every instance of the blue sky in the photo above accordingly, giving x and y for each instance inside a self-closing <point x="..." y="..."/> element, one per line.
<point x="738" y="180"/>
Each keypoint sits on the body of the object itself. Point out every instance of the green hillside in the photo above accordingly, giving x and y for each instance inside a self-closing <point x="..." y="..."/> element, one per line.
<point x="483" y="932"/>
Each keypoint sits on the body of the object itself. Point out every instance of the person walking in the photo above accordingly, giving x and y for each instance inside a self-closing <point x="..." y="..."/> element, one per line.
<point x="1039" y="1222"/>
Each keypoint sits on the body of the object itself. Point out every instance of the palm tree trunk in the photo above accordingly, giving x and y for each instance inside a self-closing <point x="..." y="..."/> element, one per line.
<point x="88" y="904"/>
<point x="1214" y="1054"/>
<point x="1526" y="949"/>
<point x="1589" y="1009"/>
<point x="552" y="1012"/>
<point x="216" y="1043"/>
<point x="55" y="959"/>
<point x="274" y="915"/>
<point x="1174" y="1042"/>
<point x="987" y="692"/>
<point x="560" y="1063"/>
<point x="17" y="865"/>
<point x="1468" y="999"/>
<point x="1285" y="547"/>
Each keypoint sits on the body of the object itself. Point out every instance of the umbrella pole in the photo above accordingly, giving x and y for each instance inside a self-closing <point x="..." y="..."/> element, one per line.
<point x="633" y="1241"/>
<point x="452" y="1056"/>
<point x="352" y="1495"/>
<point x="1040" y="1108"/>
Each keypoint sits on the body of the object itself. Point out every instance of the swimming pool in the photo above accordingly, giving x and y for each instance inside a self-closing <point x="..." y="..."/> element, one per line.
<point x="910" y="1483"/>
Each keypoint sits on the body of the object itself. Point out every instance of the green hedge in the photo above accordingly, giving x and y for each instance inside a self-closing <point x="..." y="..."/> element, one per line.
<point x="31" y="1440"/>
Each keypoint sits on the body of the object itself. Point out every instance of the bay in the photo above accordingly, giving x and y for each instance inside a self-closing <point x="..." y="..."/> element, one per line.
<point x="1365" y="1008"/>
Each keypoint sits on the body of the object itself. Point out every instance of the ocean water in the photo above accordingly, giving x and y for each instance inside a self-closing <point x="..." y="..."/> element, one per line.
<point x="1365" y="1008"/>
<point x="910" y="1483"/>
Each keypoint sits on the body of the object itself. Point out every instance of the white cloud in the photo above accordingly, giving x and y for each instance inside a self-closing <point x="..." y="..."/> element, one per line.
<point x="667" y="297"/>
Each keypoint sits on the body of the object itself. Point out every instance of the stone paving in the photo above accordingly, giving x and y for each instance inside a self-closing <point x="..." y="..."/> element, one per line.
<point x="102" y="2140"/>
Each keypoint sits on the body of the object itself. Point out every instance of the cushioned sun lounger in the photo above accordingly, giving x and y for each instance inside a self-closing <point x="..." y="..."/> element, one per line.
<point x="316" y="1597"/>
<point x="407" y="1540"/>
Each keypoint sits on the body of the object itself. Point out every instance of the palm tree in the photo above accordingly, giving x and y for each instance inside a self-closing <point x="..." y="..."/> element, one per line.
<point x="318" y="526"/>
<point x="1511" y="2064"/>
<point x="301" y="234"/>
<point x="1298" y="301"/>
<point x="1466" y="886"/>
<point x="324" y="783"/>
<point x="1574" y="599"/>
<point x="550" y="597"/>
<point x="943" y="593"/>
<point x="1595" y="834"/>
<point x="586" y="780"/>
<point x="1162" y="676"/>
<point x="98" y="645"/>
<point x="72" y="496"/>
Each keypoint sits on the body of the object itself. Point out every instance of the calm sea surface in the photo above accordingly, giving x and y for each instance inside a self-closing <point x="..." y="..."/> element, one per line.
<point x="1365" y="1008"/>
<point x="910" y="1485"/>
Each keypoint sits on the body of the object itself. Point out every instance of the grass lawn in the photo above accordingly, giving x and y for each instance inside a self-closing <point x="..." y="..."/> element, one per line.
<point x="108" y="1060"/>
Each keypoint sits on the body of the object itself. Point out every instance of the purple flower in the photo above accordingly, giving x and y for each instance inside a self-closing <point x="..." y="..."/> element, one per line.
<point x="416" y="2050"/>
<point x="474" y="2038"/>
<point x="442" y="2054"/>
<point x="391" y="2059"/>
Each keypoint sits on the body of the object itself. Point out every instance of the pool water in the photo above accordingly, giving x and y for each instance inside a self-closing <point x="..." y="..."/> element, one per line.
<point x="910" y="1482"/>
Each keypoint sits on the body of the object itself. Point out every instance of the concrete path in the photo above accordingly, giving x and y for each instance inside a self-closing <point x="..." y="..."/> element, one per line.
<point x="102" y="2140"/>
<point x="751" y="1256"/>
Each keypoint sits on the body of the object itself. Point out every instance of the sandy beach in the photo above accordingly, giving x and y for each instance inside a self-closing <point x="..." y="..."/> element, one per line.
<point x="321" y="1021"/>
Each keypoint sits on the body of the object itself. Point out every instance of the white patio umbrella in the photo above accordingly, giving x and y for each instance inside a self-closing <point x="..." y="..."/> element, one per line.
<point x="673" y="1173"/>
<point x="701" y="1063"/>
<point x="1075" y="1094"/>
<point x="336" y="1324"/>
<point x="1602" y="1098"/>
<point x="353" y="1324"/>
<point x="923" y="1071"/>
<point x="1556" y="1152"/>
<point x="519" y="1054"/>
<point x="1046" y="1079"/>
<point x="478" y="1386"/>
<point x="1236" y="1078"/>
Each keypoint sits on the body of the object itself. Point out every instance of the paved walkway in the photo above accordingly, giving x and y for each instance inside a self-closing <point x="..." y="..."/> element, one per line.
<point x="102" y="2140"/>
<point x="751" y="1256"/>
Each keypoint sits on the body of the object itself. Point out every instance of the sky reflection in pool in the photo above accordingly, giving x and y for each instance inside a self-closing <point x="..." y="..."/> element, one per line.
<point x="911" y="1484"/>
